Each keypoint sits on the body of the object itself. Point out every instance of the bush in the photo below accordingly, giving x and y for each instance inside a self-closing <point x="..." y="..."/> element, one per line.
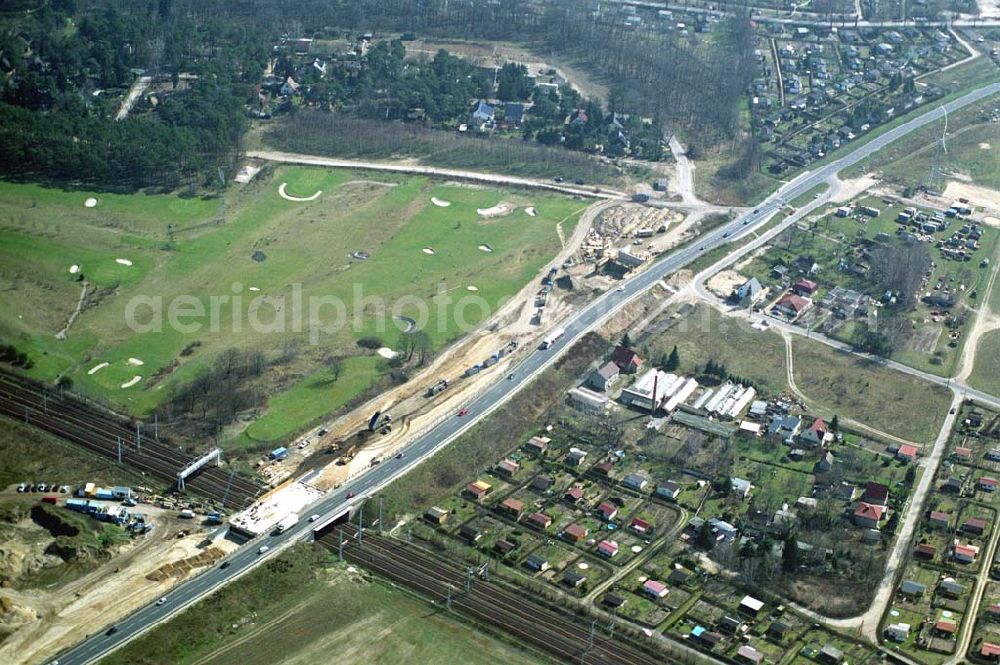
<point x="371" y="342"/>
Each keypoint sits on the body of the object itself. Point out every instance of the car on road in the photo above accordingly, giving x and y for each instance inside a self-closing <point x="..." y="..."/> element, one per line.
<point x="22" y="487"/>
<point x="726" y="234"/>
<point x="323" y="432"/>
<point x="400" y="455"/>
<point x="313" y="518"/>
<point x="510" y="377"/>
<point x="745" y="222"/>
<point x="579" y="182"/>
<point x="263" y="548"/>
<point x="351" y="495"/>
<point x="756" y="210"/>
<point x="111" y="631"/>
<point x="161" y="601"/>
<point x="702" y="249"/>
<point x="559" y="179"/>
<point x="620" y="288"/>
<point x="462" y="412"/>
<point x="42" y="487"/>
<point x="225" y="564"/>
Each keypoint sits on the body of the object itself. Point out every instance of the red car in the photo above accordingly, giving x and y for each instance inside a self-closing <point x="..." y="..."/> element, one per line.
<point x="462" y="412"/>
<point x="351" y="495"/>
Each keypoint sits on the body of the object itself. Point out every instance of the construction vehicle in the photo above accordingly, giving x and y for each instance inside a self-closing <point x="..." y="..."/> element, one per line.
<point x="552" y="338"/>
<point x="286" y="522"/>
<point x="438" y="387"/>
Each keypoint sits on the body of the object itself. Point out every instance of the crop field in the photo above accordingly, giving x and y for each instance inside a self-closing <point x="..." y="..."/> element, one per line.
<point x="242" y="261"/>
<point x="305" y="608"/>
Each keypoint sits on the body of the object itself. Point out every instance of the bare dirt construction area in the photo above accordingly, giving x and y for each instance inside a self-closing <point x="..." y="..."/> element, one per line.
<point x="39" y="622"/>
<point x="724" y="283"/>
<point x="981" y="197"/>
<point x="490" y="54"/>
<point x="853" y="187"/>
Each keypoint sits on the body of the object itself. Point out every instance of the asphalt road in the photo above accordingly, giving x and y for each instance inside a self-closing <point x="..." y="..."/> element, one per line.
<point x="533" y="363"/>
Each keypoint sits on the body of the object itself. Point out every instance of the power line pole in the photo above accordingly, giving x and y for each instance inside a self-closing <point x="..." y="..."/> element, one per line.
<point x="361" y="522"/>
<point x="119" y="449"/>
<point x="380" y="497"/>
<point x="156" y="425"/>
<point x="340" y="549"/>
<point x="229" y="483"/>
<point x="138" y="436"/>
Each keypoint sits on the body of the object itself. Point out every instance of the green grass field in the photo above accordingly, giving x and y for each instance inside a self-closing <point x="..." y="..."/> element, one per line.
<point x="304" y="608"/>
<point x="986" y="372"/>
<point x="202" y="248"/>
<point x="881" y="398"/>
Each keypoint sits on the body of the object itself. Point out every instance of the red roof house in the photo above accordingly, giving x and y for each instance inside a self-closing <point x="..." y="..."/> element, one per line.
<point x="641" y="526"/>
<point x="539" y="520"/>
<point x="627" y="360"/>
<point x="607" y="510"/>
<point x="974" y="525"/>
<point x="907" y="452"/>
<point x="988" y="484"/>
<point x="868" y="515"/>
<point x="876" y="493"/>
<point x="805" y="287"/>
<point x="575" y="533"/>
<point x="655" y="589"/>
<point x="608" y="548"/>
<point x="792" y="305"/>
<point x="990" y="650"/>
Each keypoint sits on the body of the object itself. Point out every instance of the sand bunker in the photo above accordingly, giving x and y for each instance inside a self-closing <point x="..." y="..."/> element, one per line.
<point x="90" y="203"/>
<point x="582" y="565"/>
<point x="472" y="288"/>
<point x="428" y="250"/>
<point x="440" y="203"/>
<point x="97" y="368"/>
<point x="387" y="353"/>
<point x="486" y="248"/>
<point x="253" y="288"/>
<point x="531" y="212"/>
<point x="298" y="199"/>
<point x="131" y="382"/>
<point x="498" y="210"/>
<point x="134" y="362"/>
<point x="73" y="269"/>
<point x="123" y="262"/>
<point x="984" y="146"/>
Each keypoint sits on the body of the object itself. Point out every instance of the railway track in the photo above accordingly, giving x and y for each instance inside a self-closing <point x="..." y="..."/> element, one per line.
<point x="99" y="431"/>
<point x="485" y="602"/>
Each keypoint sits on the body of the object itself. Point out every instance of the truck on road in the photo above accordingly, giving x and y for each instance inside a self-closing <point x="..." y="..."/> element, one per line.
<point x="286" y="522"/>
<point x="552" y="338"/>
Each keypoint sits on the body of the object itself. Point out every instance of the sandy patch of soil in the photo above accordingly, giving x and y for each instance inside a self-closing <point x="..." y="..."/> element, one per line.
<point x="123" y="262"/>
<point x="979" y="196"/>
<point x="440" y="203"/>
<point x="428" y="250"/>
<point x="852" y="187"/>
<point x="724" y="282"/>
<point x="499" y="210"/>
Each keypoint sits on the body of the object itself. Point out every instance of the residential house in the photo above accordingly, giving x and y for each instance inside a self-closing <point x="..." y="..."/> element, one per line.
<point x="993" y="455"/>
<point x="747" y="654"/>
<point x="964" y="553"/>
<point x="792" y="306"/>
<point x="436" y="515"/>
<point x="912" y="588"/>
<point x="602" y="377"/>
<point x="607" y="510"/>
<point x="924" y="551"/>
<point x="635" y="481"/>
<point x="669" y="490"/>
<point x="573" y="495"/>
<point x="749" y="292"/>
<point x="542" y="483"/>
<point x="868" y="515"/>
<point x="987" y="484"/>
<point x="990" y="651"/>
<point x="784" y="427"/>
<point x="603" y="469"/>
<point x="945" y="627"/>
<point x="740" y="487"/>
<point x="963" y="454"/>
<point x="898" y="632"/>
<point x="513" y="114"/>
<point x="709" y="638"/>
<point x="290" y="87"/>
<point x="778" y="630"/>
<point x="575" y="457"/>
<point x="573" y="579"/>
<point x="976" y="525"/>
<point x="608" y="548"/>
<point x="751" y="606"/>
<point x="655" y="589"/>
<point x="537" y="563"/>
<point x="907" y="453"/>
<point x="512" y="508"/>
<point x="641" y="526"/>
<point x="830" y="655"/>
<point x="993" y="612"/>
<point x="537" y="445"/>
<point x="478" y="490"/>
<point x="575" y="533"/>
<point x="939" y="519"/>
<point x="731" y="625"/>
<point x="539" y="520"/>
<point x="504" y="547"/>
<point x="825" y="463"/>
<point x="506" y="468"/>
<point x="614" y="601"/>
<point x="805" y="287"/>
<point x="627" y="360"/>
<point x="950" y="588"/>
<point x="470" y="533"/>
<point x="876" y="493"/>
<point x="483" y="113"/>
<point x="750" y="430"/>
<point x="816" y="434"/>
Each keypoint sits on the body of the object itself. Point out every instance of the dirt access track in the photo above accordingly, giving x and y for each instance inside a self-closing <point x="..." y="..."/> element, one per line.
<point x="48" y="621"/>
